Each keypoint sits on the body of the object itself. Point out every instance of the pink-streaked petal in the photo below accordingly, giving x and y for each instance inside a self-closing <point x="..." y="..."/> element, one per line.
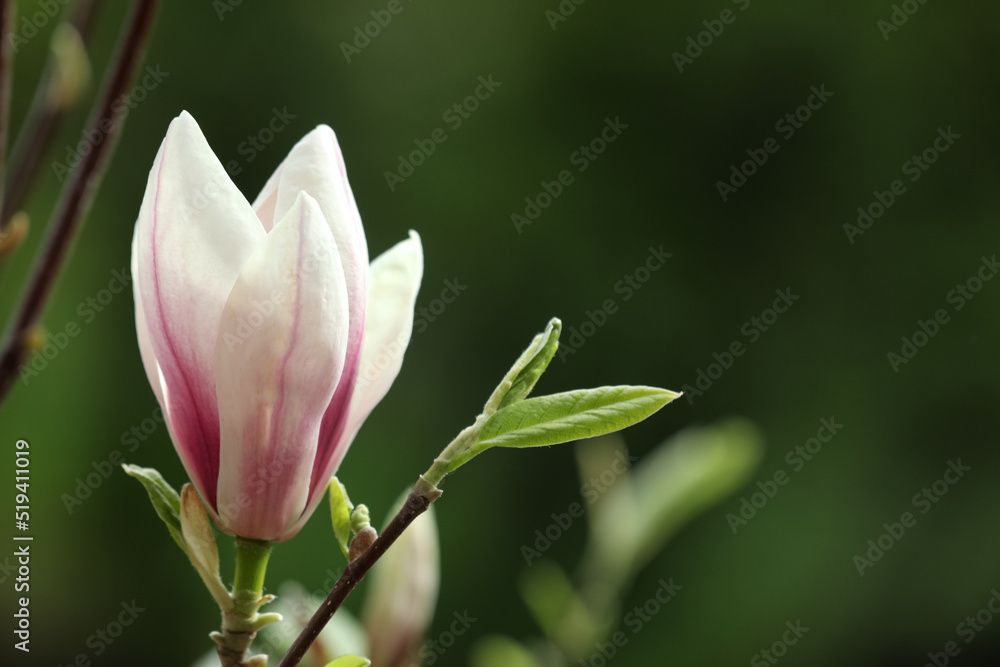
<point x="279" y="358"/>
<point x="315" y="165"/>
<point x="393" y="283"/>
<point x="194" y="233"/>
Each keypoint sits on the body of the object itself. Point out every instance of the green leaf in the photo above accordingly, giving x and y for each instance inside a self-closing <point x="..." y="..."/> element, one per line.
<point x="541" y="352"/>
<point x="550" y="420"/>
<point x="526" y="371"/>
<point x="349" y="661"/>
<point x="340" y="511"/>
<point x="166" y="501"/>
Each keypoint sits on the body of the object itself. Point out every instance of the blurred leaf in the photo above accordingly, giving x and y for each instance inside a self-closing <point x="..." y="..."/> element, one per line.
<point x="550" y="420"/>
<point x="556" y="607"/>
<point x="166" y="501"/>
<point x="350" y="661"/>
<point x="498" y="651"/>
<point x="340" y="513"/>
<point x="681" y="478"/>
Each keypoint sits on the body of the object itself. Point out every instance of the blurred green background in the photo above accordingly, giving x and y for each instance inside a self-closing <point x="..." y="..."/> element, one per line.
<point x="655" y="185"/>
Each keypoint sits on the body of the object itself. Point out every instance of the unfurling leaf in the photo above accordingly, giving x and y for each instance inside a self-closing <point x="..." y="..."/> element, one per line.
<point x="201" y="546"/>
<point x="524" y="374"/>
<point x="166" y="501"/>
<point x="533" y="363"/>
<point x="558" y="418"/>
<point x="340" y="511"/>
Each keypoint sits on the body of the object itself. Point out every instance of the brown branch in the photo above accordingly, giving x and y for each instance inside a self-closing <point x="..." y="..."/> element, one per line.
<point x="6" y="72"/>
<point x="40" y="124"/>
<point x="416" y="504"/>
<point x="80" y="188"/>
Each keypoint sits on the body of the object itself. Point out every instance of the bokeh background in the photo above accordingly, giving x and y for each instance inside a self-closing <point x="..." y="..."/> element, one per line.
<point x="656" y="185"/>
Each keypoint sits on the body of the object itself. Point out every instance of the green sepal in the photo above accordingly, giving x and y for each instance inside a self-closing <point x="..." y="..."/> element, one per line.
<point x="166" y="501"/>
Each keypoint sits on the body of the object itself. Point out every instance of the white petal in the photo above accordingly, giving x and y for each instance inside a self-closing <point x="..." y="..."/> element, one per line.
<point x="194" y="233"/>
<point x="279" y="358"/>
<point x="393" y="283"/>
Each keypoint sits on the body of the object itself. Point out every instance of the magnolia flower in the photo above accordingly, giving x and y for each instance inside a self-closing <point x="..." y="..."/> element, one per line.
<point x="265" y="334"/>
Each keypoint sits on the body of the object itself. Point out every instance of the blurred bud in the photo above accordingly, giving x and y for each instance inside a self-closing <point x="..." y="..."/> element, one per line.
<point x="11" y="237"/>
<point x="400" y="603"/>
<point x="71" y="72"/>
<point x="342" y="635"/>
<point x="35" y="339"/>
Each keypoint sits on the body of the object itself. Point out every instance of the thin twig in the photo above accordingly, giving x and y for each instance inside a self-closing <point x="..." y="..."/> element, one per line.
<point x="40" y="124"/>
<point x="416" y="504"/>
<point x="6" y="73"/>
<point x="79" y="190"/>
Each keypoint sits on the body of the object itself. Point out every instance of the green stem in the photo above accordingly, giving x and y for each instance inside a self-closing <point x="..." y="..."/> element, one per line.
<point x="251" y="565"/>
<point x="240" y="626"/>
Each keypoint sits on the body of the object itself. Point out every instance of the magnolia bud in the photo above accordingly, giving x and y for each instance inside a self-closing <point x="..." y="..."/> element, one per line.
<point x="401" y="600"/>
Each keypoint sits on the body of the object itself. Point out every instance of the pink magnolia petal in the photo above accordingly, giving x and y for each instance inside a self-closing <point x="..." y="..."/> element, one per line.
<point x="315" y="165"/>
<point x="194" y="233"/>
<point x="393" y="283"/>
<point x="279" y="358"/>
